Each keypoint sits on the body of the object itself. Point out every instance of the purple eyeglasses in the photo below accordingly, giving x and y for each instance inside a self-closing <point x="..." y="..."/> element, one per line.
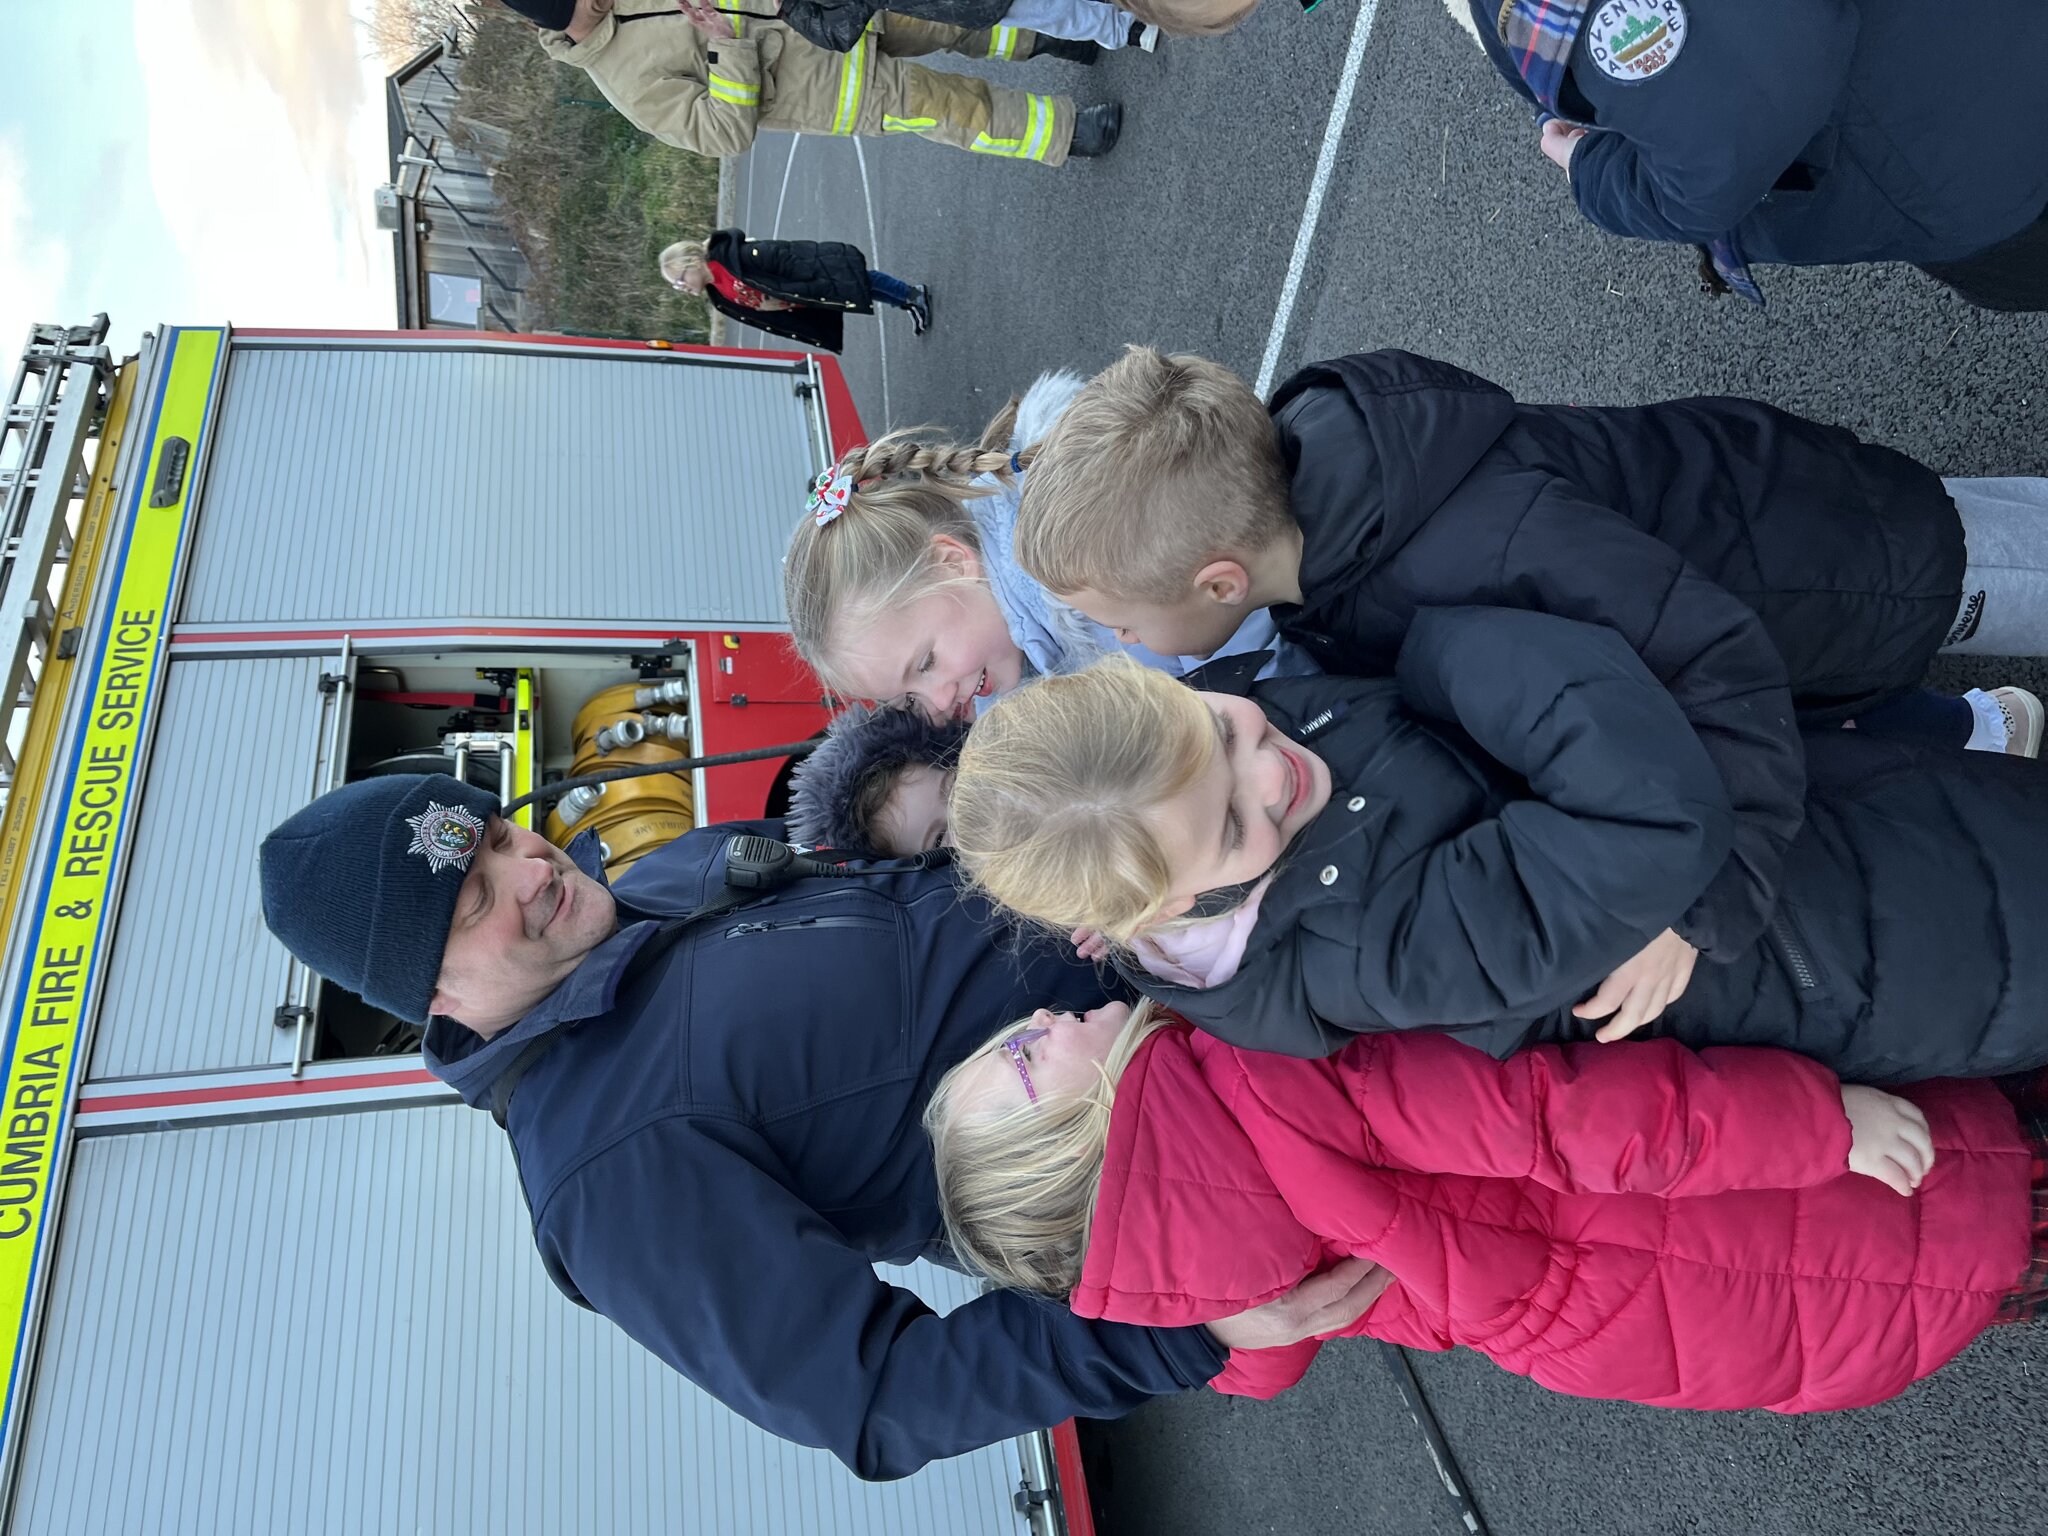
<point x="1015" y="1046"/>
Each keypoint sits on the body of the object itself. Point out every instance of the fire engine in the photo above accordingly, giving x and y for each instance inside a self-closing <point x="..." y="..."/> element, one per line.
<point x="259" y="1271"/>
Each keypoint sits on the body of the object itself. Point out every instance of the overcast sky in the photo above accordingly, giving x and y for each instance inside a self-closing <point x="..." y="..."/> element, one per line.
<point x="190" y="162"/>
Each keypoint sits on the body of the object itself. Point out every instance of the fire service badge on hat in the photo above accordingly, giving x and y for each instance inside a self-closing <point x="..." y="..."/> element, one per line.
<point x="445" y="835"/>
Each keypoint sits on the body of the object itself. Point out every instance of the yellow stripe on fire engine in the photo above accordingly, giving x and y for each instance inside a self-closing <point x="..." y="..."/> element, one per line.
<point x="67" y="939"/>
<point x="523" y="737"/>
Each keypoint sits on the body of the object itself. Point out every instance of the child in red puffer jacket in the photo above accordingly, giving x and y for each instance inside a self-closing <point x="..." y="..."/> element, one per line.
<point x="1728" y="1228"/>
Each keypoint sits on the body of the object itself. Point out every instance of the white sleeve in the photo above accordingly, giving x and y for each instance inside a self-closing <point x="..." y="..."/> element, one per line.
<point x="1080" y="21"/>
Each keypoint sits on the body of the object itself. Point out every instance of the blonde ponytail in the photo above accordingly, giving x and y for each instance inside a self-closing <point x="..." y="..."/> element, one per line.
<point x="995" y="437"/>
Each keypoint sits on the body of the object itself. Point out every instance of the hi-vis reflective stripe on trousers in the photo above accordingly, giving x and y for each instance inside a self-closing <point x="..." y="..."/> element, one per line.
<point x="1035" y="143"/>
<point x="910" y="37"/>
<point x="902" y="97"/>
<point x="971" y="114"/>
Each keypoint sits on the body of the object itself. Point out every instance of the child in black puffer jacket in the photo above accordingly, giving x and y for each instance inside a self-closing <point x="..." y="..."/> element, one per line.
<point x="1474" y="844"/>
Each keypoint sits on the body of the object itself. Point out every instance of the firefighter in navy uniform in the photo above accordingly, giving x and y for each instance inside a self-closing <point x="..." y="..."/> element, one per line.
<point x="1809" y="132"/>
<point x="716" y="1120"/>
<point x="706" y="76"/>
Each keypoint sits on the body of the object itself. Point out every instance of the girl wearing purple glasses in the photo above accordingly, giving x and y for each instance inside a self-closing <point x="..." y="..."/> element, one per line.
<point x="1062" y="1060"/>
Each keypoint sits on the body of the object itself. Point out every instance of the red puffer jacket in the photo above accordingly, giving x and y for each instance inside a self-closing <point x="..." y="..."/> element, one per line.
<point x="1634" y="1221"/>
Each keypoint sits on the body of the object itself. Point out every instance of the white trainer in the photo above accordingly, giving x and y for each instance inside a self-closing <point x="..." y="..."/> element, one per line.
<point x="2024" y="719"/>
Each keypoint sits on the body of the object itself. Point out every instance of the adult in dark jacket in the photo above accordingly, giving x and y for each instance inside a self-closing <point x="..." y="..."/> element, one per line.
<point x="721" y="1130"/>
<point x="1811" y="132"/>
<point x="1482" y="838"/>
<point x="799" y="289"/>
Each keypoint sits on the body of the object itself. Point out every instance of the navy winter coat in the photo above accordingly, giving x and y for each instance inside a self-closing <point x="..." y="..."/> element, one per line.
<point x="1516" y="813"/>
<point x="1522" y="808"/>
<point x="720" y="1145"/>
<point x="1737" y="547"/>
<point x="1817" y="131"/>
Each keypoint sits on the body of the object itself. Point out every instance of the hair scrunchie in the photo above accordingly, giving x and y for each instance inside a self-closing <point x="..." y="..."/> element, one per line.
<point x="830" y="493"/>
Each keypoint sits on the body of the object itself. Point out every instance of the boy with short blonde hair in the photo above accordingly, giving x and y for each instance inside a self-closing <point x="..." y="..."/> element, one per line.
<point x="1188" y="459"/>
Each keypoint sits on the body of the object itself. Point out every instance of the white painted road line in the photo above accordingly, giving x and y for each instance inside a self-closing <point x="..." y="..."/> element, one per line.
<point x="1340" y="112"/>
<point x="794" y="140"/>
<point x="875" y="256"/>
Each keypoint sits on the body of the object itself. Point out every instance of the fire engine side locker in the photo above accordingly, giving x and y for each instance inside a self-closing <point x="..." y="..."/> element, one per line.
<point x="311" y="1303"/>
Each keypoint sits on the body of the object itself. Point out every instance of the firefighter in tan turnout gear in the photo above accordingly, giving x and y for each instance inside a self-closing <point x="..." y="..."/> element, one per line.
<point x="705" y="79"/>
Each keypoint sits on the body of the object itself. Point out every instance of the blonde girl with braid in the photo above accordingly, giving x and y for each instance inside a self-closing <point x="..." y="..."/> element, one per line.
<point x="899" y="579"/>
<point x="901" y="583"/>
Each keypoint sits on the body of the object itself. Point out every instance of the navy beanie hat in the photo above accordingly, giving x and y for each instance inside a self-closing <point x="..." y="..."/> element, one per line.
<point x="555" y="15"/>
<point x="827" y="808"/>
<point x="361" y="884"/>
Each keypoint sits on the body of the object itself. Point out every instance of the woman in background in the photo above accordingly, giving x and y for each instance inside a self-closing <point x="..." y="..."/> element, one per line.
<point x="799" y="289"/>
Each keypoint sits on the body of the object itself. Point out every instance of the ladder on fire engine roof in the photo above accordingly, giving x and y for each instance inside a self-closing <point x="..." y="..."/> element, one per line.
<point x="54" y="410"/>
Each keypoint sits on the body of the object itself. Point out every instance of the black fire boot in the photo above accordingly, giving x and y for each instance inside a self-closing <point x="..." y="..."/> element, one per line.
<point x="1096" y="130"/>
<point x="1064" y="48"/>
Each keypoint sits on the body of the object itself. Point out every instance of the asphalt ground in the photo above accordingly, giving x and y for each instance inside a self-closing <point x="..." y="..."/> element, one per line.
<point x="1439" y="229"/>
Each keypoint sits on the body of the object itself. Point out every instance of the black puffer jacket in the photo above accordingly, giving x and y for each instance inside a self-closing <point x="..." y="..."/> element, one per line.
<point x="1485" y="882"/>
<point x="1417" y="484"/>
<point x="827" y="277"/>
<point x="1908" y="938"/>
<point x="836" y="25"/>
<point x="1444" y="887"/>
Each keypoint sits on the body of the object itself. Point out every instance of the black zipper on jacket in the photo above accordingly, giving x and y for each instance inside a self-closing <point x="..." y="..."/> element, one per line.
<point x="1795" y="953"/>
<point x="741" y="930"/>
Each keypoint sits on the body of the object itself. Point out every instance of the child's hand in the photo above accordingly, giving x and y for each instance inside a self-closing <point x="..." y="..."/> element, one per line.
<point x="1642" y="988"/>
<point x="1888" y="1138"/>
<point x="1089" y="944"/>
<point x="1334" y="1298"/>
<point x="1557" y="141"/>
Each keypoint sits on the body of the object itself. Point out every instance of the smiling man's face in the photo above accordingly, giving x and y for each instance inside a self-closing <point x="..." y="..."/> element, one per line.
<point x="525" y="918"/>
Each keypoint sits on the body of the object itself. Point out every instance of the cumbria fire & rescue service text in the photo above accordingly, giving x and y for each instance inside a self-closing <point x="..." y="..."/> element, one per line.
<point x="72" y="919"/>
<point x="104" y="770"/>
